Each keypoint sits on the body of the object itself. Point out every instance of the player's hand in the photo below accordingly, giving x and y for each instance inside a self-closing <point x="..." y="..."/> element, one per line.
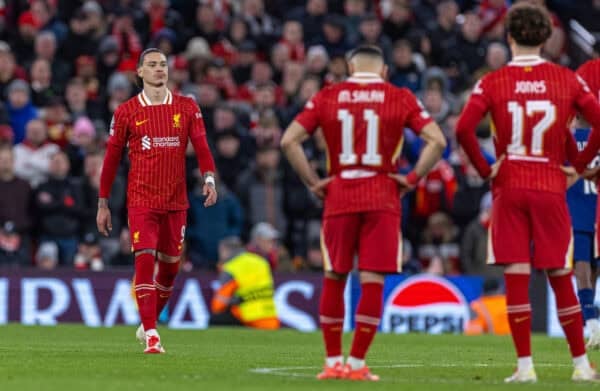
<point x="103" y="221"/>
<point x="320" y="188"/>
<point x="571" y="174"/>
<point x="496" y="167"/>
<point x="402" y="182"/>
<point x="591" y="174"/>
<point x="210" y="192"/>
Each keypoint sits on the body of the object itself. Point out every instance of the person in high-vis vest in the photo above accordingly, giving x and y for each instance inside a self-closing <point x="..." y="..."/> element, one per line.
<point x="245" y="296"/>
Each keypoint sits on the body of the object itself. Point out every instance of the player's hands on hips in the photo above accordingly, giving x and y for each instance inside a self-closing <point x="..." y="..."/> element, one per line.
<point x="320" y="188"/>
<point x="591" y="174"/>
<point x="496" y="167"/>
<point x="210" y="191"/>
<point x="571" y="174"/>
<point x="103" y="221"/>
<point x="403" y="183"/>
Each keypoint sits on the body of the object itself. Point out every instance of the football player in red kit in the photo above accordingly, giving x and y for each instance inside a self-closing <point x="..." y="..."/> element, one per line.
<point x="532" y="103"/>
<point x="155" y="125"/>
<point x="362" y="120"/>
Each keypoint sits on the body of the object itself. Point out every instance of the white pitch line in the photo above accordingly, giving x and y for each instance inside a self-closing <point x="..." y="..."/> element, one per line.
<point x="284" y="371"/>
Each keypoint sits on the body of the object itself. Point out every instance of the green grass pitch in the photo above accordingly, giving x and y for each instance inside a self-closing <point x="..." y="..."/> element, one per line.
<point x="73" y="357"/>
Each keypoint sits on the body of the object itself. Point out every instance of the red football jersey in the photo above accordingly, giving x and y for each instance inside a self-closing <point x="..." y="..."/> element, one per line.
<point x="363" y="122"/>
<point x="590" y="72"/>
<point x="532" y="103"/>
<point x="157" y="136"/>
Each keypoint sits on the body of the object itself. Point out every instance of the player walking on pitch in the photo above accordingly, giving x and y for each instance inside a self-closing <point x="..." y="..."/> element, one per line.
<point x="156" y="126"/>
<point x="582" y="198"/>
<point x="531" y="102"/>
<point x="363" y="121"/>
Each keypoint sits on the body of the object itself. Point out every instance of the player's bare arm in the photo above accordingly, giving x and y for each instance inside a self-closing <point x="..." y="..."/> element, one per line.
<point x="209" y="190"/>
<point x="291" y="144"/>
<point x="103" y="220"/>
<point x="435" y="143"/>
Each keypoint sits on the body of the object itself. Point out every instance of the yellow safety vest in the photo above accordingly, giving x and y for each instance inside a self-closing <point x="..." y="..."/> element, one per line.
<point x="255" y="286"/>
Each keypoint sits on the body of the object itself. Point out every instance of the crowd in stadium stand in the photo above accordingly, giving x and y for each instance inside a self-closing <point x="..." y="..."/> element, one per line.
<point x="251" y="65"/>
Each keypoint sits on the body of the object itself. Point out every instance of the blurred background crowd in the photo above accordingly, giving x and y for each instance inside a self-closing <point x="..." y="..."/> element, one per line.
<point x="65" y="65"/>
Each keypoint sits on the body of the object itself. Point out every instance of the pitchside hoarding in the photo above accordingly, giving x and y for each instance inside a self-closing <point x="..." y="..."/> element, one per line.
<point x="426" y="303"/>
<point x="422" y="303"/>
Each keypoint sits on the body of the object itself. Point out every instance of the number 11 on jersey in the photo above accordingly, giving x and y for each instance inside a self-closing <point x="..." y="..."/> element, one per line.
<point x="370" y="157"/>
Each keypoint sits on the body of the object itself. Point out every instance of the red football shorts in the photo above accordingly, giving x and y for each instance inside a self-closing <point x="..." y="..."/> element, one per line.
<point x="163" y="230"/>
<point x="374" y="236"/>
<point x="530" y="226"/>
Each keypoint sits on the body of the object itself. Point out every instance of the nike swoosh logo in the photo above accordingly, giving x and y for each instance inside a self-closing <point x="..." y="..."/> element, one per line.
<point x="138" y="123"/>
<point x="522" y="319"/>
<point x="142" y="296"/>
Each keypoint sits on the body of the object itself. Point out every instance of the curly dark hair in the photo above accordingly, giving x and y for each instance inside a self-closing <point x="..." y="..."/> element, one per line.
<point x="528" y="24"/>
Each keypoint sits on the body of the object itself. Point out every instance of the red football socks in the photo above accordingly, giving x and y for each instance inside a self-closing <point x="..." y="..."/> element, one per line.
<point x="165" y="277"/>
<point x="519" y="312"/>
<point x="569" y="312"/>
<point x="145" y="293"/>
<point x="331" y="315"/>
<point x="368" y="314"/>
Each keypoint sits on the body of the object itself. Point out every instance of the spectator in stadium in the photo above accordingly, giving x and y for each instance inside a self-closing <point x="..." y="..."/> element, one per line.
<point x="260" y="189"/>
<point x="81" y="142"/>
<point x="337" y="70"/>
<point x="474" y="244"/>
<point x="229" y="157"/>
<point x="90" y="187"/>
<point x="354" y="13"/>
<point x="371" y="34"/>
<point x="398" y="19"/>
<point x="78" y="104"/>
<point x="45" y="47"/>
<point x="293" y="39"/>
<point x="59" y="206"/>
<point x="312" y="16"/>
<point x="439" y="251"/>
<point x="208" y="226"/>
<point x="44" y="12"/>
<point x="108" y="59"/>
<point x="46" y="257"/>
<point x="124" y="256"/>
<point x="244" y="60"/>
<point x="206" y="25"/>
<point x="119" y="90"/>
<point x="32" y="156"/>
<point x="40" y="76"/>
<point x="263" y="241"/>
<point x="15" y="212"/>
<point x="406" y="72"/>
<point x="27" y="28"/>
<point x="89" y="255"/>
<point x="444" y="33"/>
<point x="20" y="108"/>
<point x="334" y="38"/>
<point x="263" y="28"/>
<point x="280" y="57"/>
<point x="293" y="73"/>
<point x="9" y="70"/>
<point x="246" y="293"/>
<point x="80" y="39"/>
<point x="58" y="120"/>
<point x="317" y="60"/>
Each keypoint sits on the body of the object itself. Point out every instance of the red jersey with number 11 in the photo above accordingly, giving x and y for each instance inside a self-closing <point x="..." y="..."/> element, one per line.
<point x="532" y="103"/>
<point x="363" y="121"/>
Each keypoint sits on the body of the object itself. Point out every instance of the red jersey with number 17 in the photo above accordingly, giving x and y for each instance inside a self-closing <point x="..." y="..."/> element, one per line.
<point x="157" y="136"/>
<point x="532" y="103"/>
<point x="363" y="121"/>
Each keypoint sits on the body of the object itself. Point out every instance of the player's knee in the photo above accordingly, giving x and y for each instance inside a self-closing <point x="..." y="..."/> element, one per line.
<point x="145" y="251"/>
<point x="371" y="277"/>
<point x="335" y="276"/>
<point x="167" y="258"/>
